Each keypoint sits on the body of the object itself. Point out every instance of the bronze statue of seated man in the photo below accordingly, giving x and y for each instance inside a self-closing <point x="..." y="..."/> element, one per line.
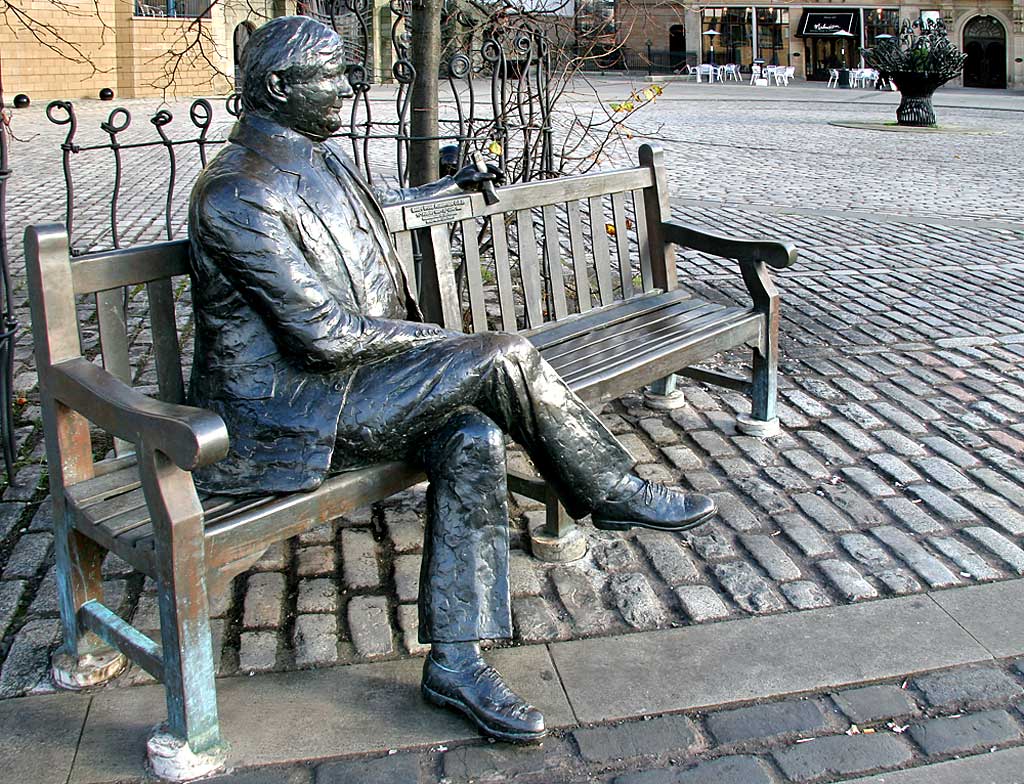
<point x="310" y="347"/>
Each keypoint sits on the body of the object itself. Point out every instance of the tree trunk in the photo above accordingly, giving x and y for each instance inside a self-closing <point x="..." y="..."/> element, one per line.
<point x="426" y="57"/>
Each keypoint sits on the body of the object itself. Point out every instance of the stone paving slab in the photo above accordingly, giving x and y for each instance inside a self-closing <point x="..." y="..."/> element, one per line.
<point x="39" y="736"/>
<point x="998" y="767"/>
<point x="992" y="614"/>
<point x="284" y="718"/>
<point x="301" y="717"/>
<point x="619" y="677"/>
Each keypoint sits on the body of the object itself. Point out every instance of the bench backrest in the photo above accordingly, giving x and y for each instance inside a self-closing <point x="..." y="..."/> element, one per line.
<point x="553" y="247"/>
<point x="74" y="298"/>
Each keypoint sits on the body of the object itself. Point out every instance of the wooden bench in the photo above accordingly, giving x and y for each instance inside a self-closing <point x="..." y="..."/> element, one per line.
<point x="605" y="336"/>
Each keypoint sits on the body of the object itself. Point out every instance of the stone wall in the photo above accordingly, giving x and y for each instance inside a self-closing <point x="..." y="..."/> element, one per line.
<point x="76" y="54"/>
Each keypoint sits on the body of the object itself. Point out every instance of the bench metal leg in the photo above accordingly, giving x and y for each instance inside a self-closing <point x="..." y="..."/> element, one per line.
<point x="83" y="660"/>
<point x="189" y="745"/>
<point x="557" y="540"/>
<point x="763" y="421"/>
<point x="663" y="395"/>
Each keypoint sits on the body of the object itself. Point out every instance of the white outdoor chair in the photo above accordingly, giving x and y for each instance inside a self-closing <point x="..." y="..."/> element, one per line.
<point x="729" y="71"/>
<point x="755" y="73"/>
<point x="785" y="74"/>
<point x="706" y="70"/>
<point x="833" y="77"/>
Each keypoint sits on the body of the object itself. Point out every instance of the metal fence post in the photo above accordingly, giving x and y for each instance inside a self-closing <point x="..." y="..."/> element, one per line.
<point x="9" y="326"/>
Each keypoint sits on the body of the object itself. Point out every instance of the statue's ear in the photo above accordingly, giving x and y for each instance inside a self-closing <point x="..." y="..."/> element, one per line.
<point x="276" y="88"/>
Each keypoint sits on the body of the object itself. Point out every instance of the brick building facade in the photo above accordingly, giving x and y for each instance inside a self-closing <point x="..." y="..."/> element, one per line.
<point x="129" y="46"/>
<point x="804" y="34"/>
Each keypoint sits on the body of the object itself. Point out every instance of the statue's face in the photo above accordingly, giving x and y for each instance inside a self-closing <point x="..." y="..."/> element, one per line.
<point x="313" y="106"/>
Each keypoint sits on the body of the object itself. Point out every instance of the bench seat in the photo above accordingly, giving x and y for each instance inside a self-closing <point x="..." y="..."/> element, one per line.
<point x="632" y="343"/>
<point x="111" y="509"/>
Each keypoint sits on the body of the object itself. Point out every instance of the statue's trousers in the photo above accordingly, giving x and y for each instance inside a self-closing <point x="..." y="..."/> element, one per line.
<point x="448" y="405"/>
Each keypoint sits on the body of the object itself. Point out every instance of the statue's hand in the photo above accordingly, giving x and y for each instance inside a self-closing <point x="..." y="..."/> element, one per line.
<point x="469" y="178"/>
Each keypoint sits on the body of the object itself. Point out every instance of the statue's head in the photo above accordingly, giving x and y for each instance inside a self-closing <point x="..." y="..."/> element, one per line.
<point x="294" y="74"/>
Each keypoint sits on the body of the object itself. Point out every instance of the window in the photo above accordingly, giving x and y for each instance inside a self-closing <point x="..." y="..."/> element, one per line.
<point x="880" y="21"/>
<point x="773" y="35"/>
<point x="726" y="35"/>
<point x="173" y="8"/>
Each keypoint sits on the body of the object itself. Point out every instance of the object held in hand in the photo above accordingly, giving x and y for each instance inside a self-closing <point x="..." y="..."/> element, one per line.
<point x="487" y="186"/>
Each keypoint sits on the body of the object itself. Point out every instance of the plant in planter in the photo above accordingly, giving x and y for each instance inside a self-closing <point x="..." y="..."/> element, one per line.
<point x="919" y="61"/>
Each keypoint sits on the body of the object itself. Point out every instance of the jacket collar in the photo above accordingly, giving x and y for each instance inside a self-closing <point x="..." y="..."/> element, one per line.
<point x="287" y="149"/>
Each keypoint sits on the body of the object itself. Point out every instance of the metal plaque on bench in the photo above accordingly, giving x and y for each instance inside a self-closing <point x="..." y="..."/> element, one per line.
<point x="430" y="213"/>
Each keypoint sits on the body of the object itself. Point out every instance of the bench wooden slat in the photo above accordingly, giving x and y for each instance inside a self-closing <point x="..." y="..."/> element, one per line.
<point x="474" y="278"/>
<point x="447" y="289"/>
<point x="166" y="351"/>
<point x="578" y="323"/>
<point x="117" y="512"/>
<point x="599" y="238"/>
<point x="503" y="274"/>
<point x="130" y="266"/>
<point x="663" y="269"/>
<point x="529" y="268"/>
<point x="403" y="244"/>
<point x="621" y="225"/>
<point x="110" y="318"/>
<point x="89" y="492"/>
<point x="643" y="241"/>
<point x="564" y="189"/>
<point x="538" y="193"/>
<point x="579" y="259"/>
<point x="553" y="260"/>
<point x="634" y="334"/>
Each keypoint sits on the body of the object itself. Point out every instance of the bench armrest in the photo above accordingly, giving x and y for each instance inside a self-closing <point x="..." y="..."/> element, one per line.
<point x="775" y="254"/>
<point x="189" y="436"/>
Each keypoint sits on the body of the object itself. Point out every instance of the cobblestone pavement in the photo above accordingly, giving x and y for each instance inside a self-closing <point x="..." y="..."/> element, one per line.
<point x="818" y="737"/>
<point x="899" y="469"/>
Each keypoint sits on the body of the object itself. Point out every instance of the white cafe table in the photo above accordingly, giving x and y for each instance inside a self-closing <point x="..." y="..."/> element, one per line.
<point x="712" y="72"/>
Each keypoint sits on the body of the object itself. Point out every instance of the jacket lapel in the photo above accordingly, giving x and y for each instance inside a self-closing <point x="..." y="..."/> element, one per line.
<point x="379" y="224"/>
<point x="326" y="220"/>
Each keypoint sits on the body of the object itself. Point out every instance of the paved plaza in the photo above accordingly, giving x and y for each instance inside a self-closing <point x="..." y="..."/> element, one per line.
<point x="880" y="537"/>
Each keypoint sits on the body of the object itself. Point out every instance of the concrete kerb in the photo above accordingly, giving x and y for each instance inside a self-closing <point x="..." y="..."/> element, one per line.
<point x="588" y="681"/>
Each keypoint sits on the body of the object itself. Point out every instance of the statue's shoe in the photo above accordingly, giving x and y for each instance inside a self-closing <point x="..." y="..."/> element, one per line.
<point x="480" y="693"/>
<point x="649" y="505"/>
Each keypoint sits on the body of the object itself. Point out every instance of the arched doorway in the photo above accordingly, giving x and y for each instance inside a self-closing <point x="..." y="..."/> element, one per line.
<point x="985" y="46"/>
<point x="677" y="45"/>
<point x="241" y="38"/>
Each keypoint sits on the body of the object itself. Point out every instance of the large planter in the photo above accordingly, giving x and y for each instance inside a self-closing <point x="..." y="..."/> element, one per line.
<point x="916" y="90"/>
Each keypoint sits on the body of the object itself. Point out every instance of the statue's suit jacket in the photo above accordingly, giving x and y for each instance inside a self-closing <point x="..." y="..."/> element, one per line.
<point x="295" y="284"/>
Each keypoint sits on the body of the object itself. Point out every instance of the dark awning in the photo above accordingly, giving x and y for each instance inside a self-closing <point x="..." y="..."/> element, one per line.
<point x="822" y="24"/>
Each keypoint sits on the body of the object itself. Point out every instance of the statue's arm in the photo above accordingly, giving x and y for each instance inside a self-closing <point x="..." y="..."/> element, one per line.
<point x="250" y="235"/>
<point x="446" y="186"/>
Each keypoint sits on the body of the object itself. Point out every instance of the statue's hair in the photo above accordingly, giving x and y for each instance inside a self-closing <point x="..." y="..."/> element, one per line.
<point x="294" y="46"/>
